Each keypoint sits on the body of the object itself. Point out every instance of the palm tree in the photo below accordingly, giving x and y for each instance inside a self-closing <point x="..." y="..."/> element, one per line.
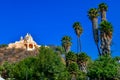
<point x="93" y="16"/>
<point x="103" y="8"/>
<point x="66" y="43"/>
<point x="70" y="58"/>
<point x="78" y="30"/>
<point x="83" y="59"/>
<point x="106" y="31"/>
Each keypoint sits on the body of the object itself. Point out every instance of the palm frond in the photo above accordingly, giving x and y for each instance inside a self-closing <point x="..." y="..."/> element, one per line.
<point x="106" y="27"/>
<point x="103" y="6"/>
<point x="93" y="13"/>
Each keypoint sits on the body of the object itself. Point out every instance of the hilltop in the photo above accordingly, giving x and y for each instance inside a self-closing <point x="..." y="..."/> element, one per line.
<point x="18" y="50"/>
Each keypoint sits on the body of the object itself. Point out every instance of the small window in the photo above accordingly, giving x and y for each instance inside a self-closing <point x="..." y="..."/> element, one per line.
<point x="30" y="45"/>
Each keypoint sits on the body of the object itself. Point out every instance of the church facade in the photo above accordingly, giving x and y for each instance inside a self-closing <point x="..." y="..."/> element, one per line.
<point x="25" y="43"/>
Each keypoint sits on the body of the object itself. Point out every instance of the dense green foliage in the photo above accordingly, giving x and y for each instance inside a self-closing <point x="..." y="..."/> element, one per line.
<point x="49" y="66"/>
<point x="106" y="27"/>
<point x="71" y="57"/>
<point x="104" y="68"/>
<point x="46" y="66"/>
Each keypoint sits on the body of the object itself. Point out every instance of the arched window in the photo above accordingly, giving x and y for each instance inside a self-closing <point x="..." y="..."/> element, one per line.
<point x="30" y="45"/>
<point x="25" y="45"/>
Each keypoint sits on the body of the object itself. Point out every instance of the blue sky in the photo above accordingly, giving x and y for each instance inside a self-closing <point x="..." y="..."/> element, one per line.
<point x="49" y="20"/>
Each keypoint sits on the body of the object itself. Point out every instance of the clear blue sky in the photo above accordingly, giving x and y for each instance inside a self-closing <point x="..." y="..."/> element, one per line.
<point x="49" y="20"/>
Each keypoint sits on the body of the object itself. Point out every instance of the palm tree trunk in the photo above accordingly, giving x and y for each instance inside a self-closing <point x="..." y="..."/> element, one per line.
<point x="73" y="77"/>
<point x="77" y="45"/>
<point x="95" y="33"/>
<point x="98" y="49"/>
<point x="105" y="43"/>
<point x="83" y="67"/>
<point x="77" y="48"/>
<point x="95" y="29"/>
<point x="80" y="46"/>
<point x="102" y="40"/>
<point x="109" y="44"/>
<point x="103" y="15"/>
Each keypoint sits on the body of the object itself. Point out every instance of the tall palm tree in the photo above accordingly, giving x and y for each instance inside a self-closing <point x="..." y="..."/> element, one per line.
<point x="106" y="31"/>
<point x="66" y="43"/>
<point x="93" y="16"/>
<point x="78" y="30"/>
<point x="103" y="8"/>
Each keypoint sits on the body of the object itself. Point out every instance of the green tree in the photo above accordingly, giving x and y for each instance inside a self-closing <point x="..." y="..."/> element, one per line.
<point x="73" y="70"/>
<point x="78" y="31"/>
<point x="5" y="70"/>
<point x="50" y="66"/>
<point x="104" y="68"/>
<point x="93" y="16"/>
<point x="25" y="69"/>
<point x="59" y="50"/>
<point x="75" y="73"/>
<point x="103" y="8"/>
<point x="47" y="65"/>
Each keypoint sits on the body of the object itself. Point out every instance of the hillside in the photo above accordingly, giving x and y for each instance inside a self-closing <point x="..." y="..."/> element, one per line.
<point x="14" y="55"/>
